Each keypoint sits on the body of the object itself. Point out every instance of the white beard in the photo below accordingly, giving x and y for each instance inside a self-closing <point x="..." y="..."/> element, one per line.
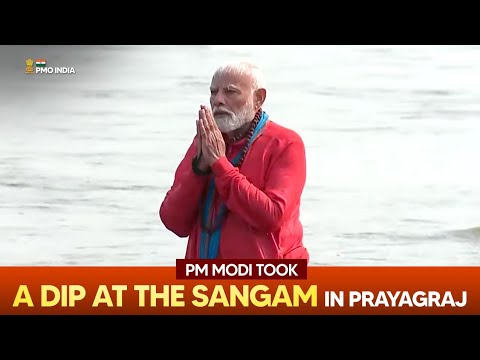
<point x="230" y="122"/>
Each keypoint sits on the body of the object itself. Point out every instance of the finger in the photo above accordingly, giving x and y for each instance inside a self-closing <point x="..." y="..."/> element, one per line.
<point x="205" y="117"/>
<point x="201" y="113"/>
<point x="209" y="136"/>
<point x="199" y="130"/>
<point x="210" y="123"/>
<point x="214" y="123"/>
<point x="204" y="130"/>
<point x="204" y="122"/>
<point x="205" y="139"/>
<point x="209" y="116"/>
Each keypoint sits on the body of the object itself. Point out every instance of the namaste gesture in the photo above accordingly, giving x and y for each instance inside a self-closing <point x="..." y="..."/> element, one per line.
<point x="210" y="142"/>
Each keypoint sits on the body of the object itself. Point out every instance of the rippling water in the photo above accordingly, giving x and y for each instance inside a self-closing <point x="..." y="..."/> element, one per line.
<point x="392" y="136"/>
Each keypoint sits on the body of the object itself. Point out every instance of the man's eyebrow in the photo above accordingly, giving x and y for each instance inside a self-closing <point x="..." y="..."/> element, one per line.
<point x="232" y="87"/>
<point x="228" y="87"/>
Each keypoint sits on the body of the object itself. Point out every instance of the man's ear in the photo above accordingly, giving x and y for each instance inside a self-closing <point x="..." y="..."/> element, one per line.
<point x="259" y="98"/>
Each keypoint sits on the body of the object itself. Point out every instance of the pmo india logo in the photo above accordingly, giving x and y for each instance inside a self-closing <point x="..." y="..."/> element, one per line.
<point x="42" y="68"/>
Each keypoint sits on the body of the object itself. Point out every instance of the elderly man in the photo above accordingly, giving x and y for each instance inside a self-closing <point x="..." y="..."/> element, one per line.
<point x="236" y="193"/>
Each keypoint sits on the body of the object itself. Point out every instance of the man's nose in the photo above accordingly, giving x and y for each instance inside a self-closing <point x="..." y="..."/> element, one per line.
<point x="218" y="99"/>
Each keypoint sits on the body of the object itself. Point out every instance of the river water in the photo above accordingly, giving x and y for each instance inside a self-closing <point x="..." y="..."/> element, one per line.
<point x="392" y="135"/>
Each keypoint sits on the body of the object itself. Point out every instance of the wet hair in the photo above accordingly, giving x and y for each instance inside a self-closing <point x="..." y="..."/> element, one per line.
<point x="244" y="68"/>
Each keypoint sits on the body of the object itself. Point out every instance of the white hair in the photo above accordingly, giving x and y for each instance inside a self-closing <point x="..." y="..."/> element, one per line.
<point x="244" y="68"/>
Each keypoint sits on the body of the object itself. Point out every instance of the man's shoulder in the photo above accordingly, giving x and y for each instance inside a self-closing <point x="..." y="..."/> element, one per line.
<point x="281" y="132"/>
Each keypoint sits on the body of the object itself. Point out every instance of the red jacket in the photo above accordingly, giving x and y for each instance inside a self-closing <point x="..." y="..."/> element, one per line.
<point x="263" y="199"/>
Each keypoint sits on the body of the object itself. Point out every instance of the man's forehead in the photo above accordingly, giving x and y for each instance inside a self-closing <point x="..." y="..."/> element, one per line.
<point x="231" y="80"/>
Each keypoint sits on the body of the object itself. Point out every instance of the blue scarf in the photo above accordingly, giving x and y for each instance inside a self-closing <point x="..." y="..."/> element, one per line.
<point x="214" y="240"/>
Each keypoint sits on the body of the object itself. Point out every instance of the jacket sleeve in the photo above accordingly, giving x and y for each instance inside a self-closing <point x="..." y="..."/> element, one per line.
<point x="265" y="210"/>
<point x="179" y="208"/>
